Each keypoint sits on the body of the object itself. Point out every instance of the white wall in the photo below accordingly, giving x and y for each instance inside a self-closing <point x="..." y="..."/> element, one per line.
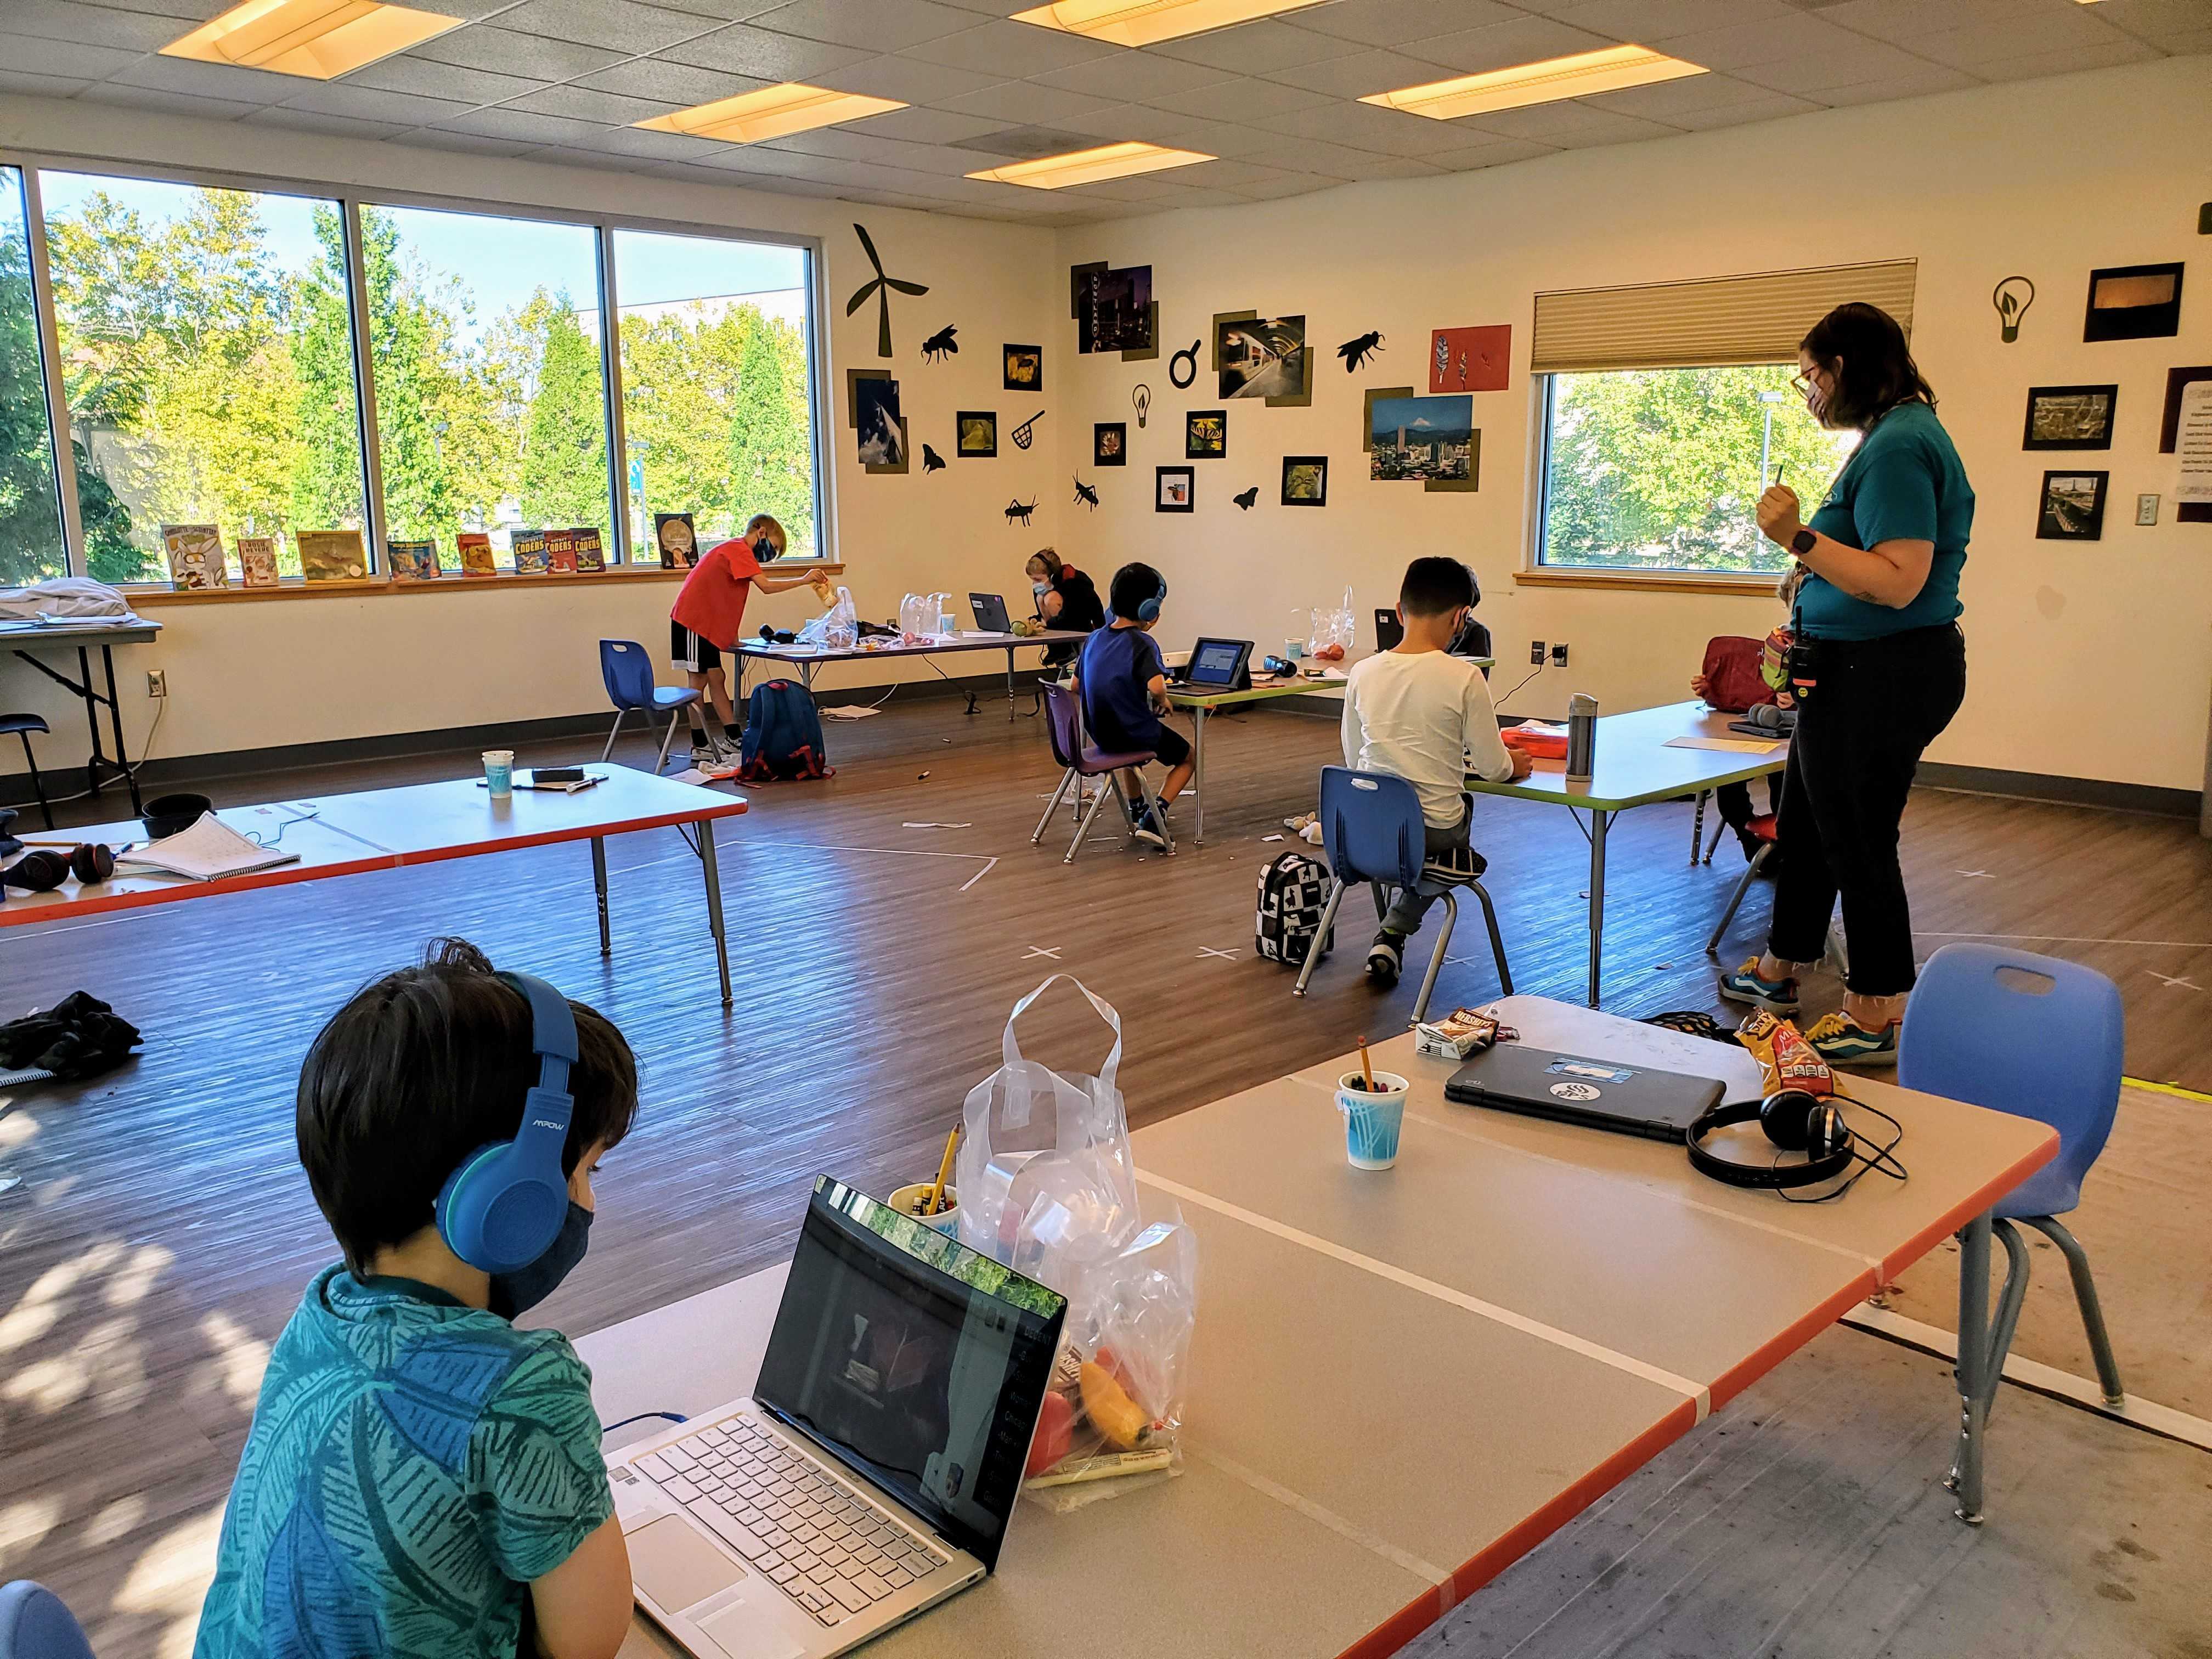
<point x="249" y="674"/>
<point x="2047" y="178"/>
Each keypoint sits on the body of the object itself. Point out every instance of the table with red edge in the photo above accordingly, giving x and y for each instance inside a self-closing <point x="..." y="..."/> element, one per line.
<point x="346" y="835"/>
<point x="1402" y="1381"/>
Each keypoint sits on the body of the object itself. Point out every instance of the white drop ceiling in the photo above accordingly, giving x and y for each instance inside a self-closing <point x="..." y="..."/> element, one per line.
<point x="562" y="81"/>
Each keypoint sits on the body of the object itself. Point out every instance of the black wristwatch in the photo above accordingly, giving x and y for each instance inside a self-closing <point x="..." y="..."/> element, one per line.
<point x="1801" y="543"/>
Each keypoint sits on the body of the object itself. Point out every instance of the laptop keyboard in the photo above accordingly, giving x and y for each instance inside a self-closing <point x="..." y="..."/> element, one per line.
<point x="804" y="1532"/>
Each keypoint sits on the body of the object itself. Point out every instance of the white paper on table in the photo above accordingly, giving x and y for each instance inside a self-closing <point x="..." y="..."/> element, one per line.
<point x="1728" y="745"/>
<point x="2192" y="444"/>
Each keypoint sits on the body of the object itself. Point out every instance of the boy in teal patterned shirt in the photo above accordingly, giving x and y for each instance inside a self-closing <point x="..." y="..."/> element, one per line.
<point x="422" y="1479"/>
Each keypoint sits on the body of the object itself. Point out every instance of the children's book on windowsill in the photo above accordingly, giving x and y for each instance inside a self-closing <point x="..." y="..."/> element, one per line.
<point x="195" y="555"/>
<point x="529" y="552"/>
<point x="591" y="551"/>
<point x="257" y="561"/>
<point x="328" y="555"/>
<point x="561" y="552"/>
<point x="413" y="560"/>
<point x="475" y="553"/>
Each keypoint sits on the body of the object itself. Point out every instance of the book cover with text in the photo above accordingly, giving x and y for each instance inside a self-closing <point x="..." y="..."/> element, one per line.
<point x="332" y="556"/>
<point x="195" y="555"/>
<point x="678" y="540"/>
<point x="561" y="552"/>
<point x="591" y="551"/>
<point x="529" y="552"/>
<point x="412" y="561"/>
<point x="257" y="561"/>
<point x="475" y="553"/>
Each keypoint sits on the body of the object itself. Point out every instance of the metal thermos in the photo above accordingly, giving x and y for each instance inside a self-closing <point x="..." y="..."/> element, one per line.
<point x="1582" y="737"/>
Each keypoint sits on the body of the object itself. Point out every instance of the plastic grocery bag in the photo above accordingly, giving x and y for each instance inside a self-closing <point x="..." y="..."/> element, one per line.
<point x="919" y="614"/>
<point x="837" y="628"/>
<point x="1048" y="1186"/>
<point x="1334" y="632"/>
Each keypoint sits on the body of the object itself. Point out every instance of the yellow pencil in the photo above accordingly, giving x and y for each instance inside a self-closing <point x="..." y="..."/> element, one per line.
<point x="944" y="1173"/>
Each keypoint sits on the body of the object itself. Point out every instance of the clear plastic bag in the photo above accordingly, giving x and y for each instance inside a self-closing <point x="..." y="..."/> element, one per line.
<point x="1335" y="634"/>
<point x="1048" y="1186"/>
<point x="919" y="614"/>
<point x="837" y="628"/>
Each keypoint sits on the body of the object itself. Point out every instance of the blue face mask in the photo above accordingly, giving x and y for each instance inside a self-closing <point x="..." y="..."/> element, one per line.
<point x="526" y="1287"/>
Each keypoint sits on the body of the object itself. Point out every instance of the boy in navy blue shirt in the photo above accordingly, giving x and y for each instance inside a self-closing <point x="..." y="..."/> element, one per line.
<point x="1124" y="686"/>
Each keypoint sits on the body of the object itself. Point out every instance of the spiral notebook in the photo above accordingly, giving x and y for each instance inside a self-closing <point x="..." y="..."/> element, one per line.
<point x="209" y="851"/>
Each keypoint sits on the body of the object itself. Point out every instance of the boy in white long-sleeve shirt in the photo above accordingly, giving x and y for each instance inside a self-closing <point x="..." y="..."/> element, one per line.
<point x="1418" y="712"/>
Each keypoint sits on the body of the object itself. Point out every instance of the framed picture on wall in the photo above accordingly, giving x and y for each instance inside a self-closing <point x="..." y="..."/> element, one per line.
<point x="2072" y="506"/>
<point x="1172" y="490"/>
<point x="1204" y="435"/>
<point x="1024" y="368"/>
<point x="2070" y="416"/>
<point x="1305" y="480"/>
<point x="975" y="434"/>
<point x="2134" y="302"/>
<point x="1110" y="443"/>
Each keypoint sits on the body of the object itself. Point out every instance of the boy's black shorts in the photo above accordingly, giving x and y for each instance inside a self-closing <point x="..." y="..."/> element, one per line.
<point x="687" y="651"/>
<point x="1171" y="746"/>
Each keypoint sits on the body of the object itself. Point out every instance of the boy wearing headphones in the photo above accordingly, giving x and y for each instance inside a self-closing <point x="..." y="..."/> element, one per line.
<point x="1123" y="682"/>
<point x="708" y="615"/>
<point x="422" y="1478"/>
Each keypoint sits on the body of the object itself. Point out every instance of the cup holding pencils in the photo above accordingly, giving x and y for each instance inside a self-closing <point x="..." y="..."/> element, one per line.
<point x="934" y="1203"/>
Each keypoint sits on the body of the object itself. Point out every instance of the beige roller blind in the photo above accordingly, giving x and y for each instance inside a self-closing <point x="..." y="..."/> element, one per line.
<point x="1721" y="319"/>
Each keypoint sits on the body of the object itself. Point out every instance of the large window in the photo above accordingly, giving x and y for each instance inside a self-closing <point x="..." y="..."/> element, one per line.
<point x="492" y="399"/>
<point x="716" y="411"/>
<point x="31" y="545"/>
<point x="1659" y="469"/>
<point x="207" y="354"/>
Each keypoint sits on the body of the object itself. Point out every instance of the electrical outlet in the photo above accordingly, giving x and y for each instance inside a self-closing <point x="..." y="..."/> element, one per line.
<point x="1536" y="653"/>
<point x="2146" y="509"/>
<point x="1558" y="656"/>
<point x="157" y="682"/>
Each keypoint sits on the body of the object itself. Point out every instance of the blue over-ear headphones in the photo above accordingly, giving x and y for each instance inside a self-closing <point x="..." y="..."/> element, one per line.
<point x="503" y="1207"/>
<point x="1149" y="611"/>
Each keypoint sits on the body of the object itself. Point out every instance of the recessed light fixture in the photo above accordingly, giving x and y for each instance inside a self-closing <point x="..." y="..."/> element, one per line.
<point x="1140" y="22"/>
<point x="320" y="39"/>
<point x="1584" y="73"/>
<point x="1090" y="166"/>
<point x="770" y="113"/>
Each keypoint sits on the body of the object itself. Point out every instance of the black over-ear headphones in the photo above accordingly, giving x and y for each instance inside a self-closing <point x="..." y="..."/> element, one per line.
<point x="1795" y="1122"/>
<point x="40" y="871"/>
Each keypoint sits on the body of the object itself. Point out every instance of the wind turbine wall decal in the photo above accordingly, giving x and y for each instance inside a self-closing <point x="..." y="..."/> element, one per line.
<point x="880" y="286"/>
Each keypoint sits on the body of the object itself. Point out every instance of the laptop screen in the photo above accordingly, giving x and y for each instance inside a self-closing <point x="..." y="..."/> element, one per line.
<point x="990" y="610"/>
<point x="1214" y="661"/>
<point x="914" y="1361"/>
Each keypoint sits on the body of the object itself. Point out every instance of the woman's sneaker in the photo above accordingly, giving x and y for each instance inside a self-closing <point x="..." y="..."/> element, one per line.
<point x="1385" y="957"/>
<point x="1842" y="1040"/>
<point x="1776" y="996"/>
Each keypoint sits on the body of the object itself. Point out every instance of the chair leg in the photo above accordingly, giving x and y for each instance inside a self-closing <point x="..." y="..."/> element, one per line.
<point x="1083" y="828"/>
<point x="38" y="783"/>
<point x="1720" y="828"/>
<point x="2085" y="1292"/>
<point x="667" y="742"/>
<point x="1058" y="795"/>
<point x="1697" y="827"/>
<point x="621" y="715"/>
<point x="1327" y="922"/>
<point x="2009" y="1305"/>
<point x="1435" y="958"/>
<point x="1713" y="945"/>
<point x="1158" y="809"/>
<point x="1496" y="938"/>
<point x="1381" y="899"/>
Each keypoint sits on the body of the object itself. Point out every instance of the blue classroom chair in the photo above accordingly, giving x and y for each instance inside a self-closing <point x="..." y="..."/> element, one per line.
<point x="35" y="1625"/>
<point x="628" y="673"/>
<point x="1372" y="831"/>
<point x="2038" y="1038"/>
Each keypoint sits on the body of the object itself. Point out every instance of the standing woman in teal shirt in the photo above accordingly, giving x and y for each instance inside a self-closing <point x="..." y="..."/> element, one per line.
<point x="1880" y="667"/>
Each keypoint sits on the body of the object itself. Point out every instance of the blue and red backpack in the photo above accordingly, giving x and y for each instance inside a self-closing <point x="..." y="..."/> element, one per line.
<point x="783" y="735"/>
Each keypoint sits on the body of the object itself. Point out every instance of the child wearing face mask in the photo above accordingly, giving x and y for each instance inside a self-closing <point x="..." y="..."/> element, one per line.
<point x="708" y="615"/>
<point x="422" y="1479"/>
<point x="1065" y="598"/>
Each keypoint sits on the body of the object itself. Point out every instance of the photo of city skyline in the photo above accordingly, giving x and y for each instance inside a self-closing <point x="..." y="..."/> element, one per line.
<point x="1424" y="438"/>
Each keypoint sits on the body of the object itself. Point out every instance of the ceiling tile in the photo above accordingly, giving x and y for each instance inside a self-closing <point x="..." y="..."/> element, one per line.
<point x="724" y="11"/>
<point x="1772" y="107"/>
<point x="1768" y="41"/>
<point x="470" y="143"/>
<point x="1337" y="162"/>
<point x="1920" y="83"/>
<point x="1866" y="61"/>
<point x="1011" y="49"/>
<point x="171" y="103"/>
<point x="2186" y="43"/>
<point x="611" y="109"/>
<point x="1906" y="19"/>
<point x="569" y="156"/>
<point x="2158" y="21"/>
<point x="1248" y="99"/>
<point x="1222" y="138"/>
<point x="666" y="82"/>
<point x="1490" y="153"/>
<point x="524" y="126"/>
<point x="1363" y="127"/>
<point x="927" y="126"/>
<point x="2076" y="28"/>
<point x="431" y="79"/>
<point x="910" y="80"/>
<point x="1507" y="45"/>
<point x="622" y="25"/>
<point x="64" y="20"/>
<point x="1394" y="23"/>
<point x="1134" y="76"/>
<point x="1256" y="48"/>
<point x="197" y="11"/>
<point x="2067" y="60"/>
<point x="879" y="25"/>
<point x="336" y="126"/>
<point x="1570" y="125"/>
<point x="503" y="51"/>
<point x="1235" y="175"/>
<point x="1294" y="183"/>
<point x="1185" y="196"/>
<point x="1665" y="99"/>
<point x="1116" y="123"/>
<point x="1640" y="21"/>
<point x="1363" y="73"/>
<point x="40" y="86"/>
<point x="1024" y="100"/>
<point x="367" y="104"/>
<point x="644" y="144"/>
<point x="34" y="55"/>
<point x="252" y="88"/>
<point x="771" y="58"/>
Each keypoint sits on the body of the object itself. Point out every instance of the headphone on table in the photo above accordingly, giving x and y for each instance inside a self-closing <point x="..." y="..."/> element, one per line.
<point x="502" y="1207"/>
<point x="40" y="871"/>
<point x="1794" y="1121"/>
<point x="1149" y="611"/>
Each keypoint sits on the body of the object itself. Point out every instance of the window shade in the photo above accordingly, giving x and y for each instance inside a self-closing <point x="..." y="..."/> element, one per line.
<point x="1722" y="319"/>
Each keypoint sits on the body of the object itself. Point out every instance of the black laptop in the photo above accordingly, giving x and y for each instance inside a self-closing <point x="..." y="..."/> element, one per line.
<point x="1216" y="665"/>
<point x="1598" y="1094"/>
<point x="990" y="610"/>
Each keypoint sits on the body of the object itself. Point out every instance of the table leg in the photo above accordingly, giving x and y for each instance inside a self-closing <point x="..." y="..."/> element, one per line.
<point x="1598" y="822"/>
<point x="1010" y="682"/>
<point x="115" y="723"/>
<point x="83" y="687"/>
<point x="1965" y="1478"/>
<point x="1198" y="770"/>
<point x="599" y="886"/>
<point x="714" y="878"/>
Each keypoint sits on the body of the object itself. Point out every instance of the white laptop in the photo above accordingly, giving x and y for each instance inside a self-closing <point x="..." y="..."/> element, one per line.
<point x="874" y="1469"/>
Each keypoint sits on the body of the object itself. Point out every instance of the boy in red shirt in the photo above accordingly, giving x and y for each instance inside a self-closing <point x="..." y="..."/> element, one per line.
<point x="708" y="615"/>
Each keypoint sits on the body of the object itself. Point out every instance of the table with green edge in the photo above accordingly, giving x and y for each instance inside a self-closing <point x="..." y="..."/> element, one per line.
<point x="1201" y="703"/>
<point x="1634" y="768"/>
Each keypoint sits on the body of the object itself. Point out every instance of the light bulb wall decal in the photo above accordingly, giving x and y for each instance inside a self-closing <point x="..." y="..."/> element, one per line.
<point x="2012" y="298"/>
<point x="1142" y="397"/>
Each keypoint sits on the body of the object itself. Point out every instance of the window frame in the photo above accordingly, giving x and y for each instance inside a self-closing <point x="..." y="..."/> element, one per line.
<point x="351" y="200"/>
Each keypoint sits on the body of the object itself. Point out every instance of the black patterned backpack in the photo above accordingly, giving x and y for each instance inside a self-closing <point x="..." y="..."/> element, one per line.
<point x="1294" y="892"/>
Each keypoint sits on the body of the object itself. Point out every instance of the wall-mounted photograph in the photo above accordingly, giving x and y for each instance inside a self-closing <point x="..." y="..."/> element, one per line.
<point x="1114" y="309"/>
<point x="2134" y="302"/>
<point x="2073" y="509"/>
<point x="1261" y="356"/>
<point x="1305" y="480"/>
<point x="1173" y="490"/>
<point x="1025" y="367"/>
<point x="882" y="427"/>
<point x="1421" y="437"/>
<point x="1110" y="443"/>
<point x="1204" y="435"/>
<point x="2070" y="416"/>
<point x="975" y="434"/>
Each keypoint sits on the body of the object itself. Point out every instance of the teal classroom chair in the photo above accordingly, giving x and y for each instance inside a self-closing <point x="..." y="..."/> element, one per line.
<point x="1372" y="831"/>
<point x="627" y="673"/>
<point x="35" y="1625"/>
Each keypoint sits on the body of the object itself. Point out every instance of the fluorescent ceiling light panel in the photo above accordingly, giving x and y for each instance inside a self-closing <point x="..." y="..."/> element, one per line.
<point x="1090" y="166"/>
<point x="320" y="39"/>
<point x="1142" y="22"/>
<point x="1555" y="78"/>
<point x="770" y="113"/>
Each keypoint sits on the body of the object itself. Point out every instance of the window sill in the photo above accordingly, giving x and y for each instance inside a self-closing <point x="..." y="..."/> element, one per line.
<point x="141" y="597"/>
<point x="1750" y="585"/>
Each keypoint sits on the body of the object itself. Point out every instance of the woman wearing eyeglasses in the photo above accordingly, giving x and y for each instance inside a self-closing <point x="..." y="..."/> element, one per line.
<point x="1879" y="668"/>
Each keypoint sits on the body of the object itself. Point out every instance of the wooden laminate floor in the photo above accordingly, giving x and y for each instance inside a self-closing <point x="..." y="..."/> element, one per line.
<point x="160" y="1231"/>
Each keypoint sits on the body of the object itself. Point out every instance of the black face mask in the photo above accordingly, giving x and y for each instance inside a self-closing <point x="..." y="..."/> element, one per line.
<point x="763" y="550"/>
<point x="526" y="1287"/>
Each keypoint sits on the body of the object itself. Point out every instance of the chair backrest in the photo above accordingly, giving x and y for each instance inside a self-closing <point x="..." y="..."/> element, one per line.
<point x="35" y="1625"/>
<point x="1063" y="722"/>
<point x="2019" y="1033"/>
<point x="1371" y="826"/>
<point x="628" y="673"/>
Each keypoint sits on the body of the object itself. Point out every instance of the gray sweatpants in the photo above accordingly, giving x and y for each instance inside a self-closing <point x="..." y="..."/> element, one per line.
<point x="1410" y="906"/>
